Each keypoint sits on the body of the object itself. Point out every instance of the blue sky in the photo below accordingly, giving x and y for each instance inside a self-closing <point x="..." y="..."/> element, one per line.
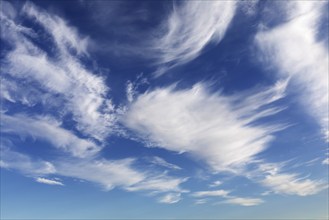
<point x="161" y="109"/>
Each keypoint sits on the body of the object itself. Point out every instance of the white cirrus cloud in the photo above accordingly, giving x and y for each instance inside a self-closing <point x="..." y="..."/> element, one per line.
<point x="64" y="35"/>
<point x="213" y="193"/>
<point x="57" y="71"/>
<point x="159" y="183"/>
<point x="120" y="173"/>
<point x="295" y="49"/>
<point x="190" y="27"/>
<point x="272" y="176"/>
<point x="48" y="181"/>
<point x="17" y="92"/>
<point x="291" y="184"/>
<point x="206" y="125"/>
<point x="23" y="163"/>
<point x="326" y="161"/>
<point x="230" y="199"/>
<point x="161" y="162"/>
<point x="48" y="129"/>
<point x="108" y="174"/>
<point x="170" y="198"/>
<point x="244" y="201"/>
<point x="215" y="183"/>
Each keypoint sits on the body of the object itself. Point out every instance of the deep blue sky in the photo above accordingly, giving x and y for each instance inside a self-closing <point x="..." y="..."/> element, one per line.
<point x="164" y="109"/>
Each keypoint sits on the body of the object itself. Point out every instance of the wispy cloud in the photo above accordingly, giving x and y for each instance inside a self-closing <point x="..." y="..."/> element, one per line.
<point x="272" y="176"/>
<point x="170" y="198"/>
<point x="108" y="174"/>
<point x="205" y="125"/>
<point x="215" y="183"/>
<point x="65" y="36"/>
<point x="161" y="162"/>
<point x="216" y="193"/>
<point x="295" y="50"/>
<point x="48" y="181"/>
<point x="48" y="129"/>
<point x="292" y="185"/>
<point x="159" y="183"/>
<point x="326" y="161"/>
<point x="244" y="201"/>
<point x="224" y="194"/>
<point x="58" y="72"/>
<point x="23" y="163"/>
<point x="190" y="27"/>
<point x="19" y="92"/>
<point x="132" y="86"/>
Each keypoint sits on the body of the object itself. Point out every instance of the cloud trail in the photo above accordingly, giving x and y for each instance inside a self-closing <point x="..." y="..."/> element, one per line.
<point x="190" y="27"/>
<point x="295" y="50"/>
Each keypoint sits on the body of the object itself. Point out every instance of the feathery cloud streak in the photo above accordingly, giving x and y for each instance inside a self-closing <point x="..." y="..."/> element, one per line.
<point x="60" y="73"/>
<point x="108" y="174"/>
<point x="205" y="125"/>
<point x="49" y="181"/>
<point x="244" y="201"/>
<point x="45" y="128"/>
<point x="271" y="176"/>
<point x="295" y="50"/>
<point x="189" y="28"/>
<point x="228" y="198"/>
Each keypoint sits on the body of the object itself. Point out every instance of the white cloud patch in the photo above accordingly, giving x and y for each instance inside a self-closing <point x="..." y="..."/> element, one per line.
<point x="132" y="86"/>
<point x="108" y="174"/>
<point x="227" y="198"/>
<point x="65" y="36"/>
<point x="159" y="183"/>
<point x="23" y="163"/>
<point x="271" y="175"/>
<point x="244" y="201"/>
<point x="214" y="193"/>
<point x="215" y="183"/>
<point x="295" y="50"/>
<point x="59" y="72"/>
<point x="206" y="125"/>
<point x="292" y="185"/>
<point x="48" y="129"/>
<point x="121" y="173"/>
<point x="326" y="161"/>
<point x="49" y="181"/>
<point x="20" y="93"/>
<point x="189" y="28"/>
<point x="161" y="162"/>
<point x="170" y="198"/>
<point x="130" y="91"/>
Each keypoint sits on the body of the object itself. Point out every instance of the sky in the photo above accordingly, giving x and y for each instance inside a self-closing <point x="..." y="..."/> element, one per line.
<point x="164" y="109"/>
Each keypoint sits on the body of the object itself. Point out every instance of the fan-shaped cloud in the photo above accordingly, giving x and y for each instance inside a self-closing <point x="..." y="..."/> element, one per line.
<point x="206" y="125"/>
